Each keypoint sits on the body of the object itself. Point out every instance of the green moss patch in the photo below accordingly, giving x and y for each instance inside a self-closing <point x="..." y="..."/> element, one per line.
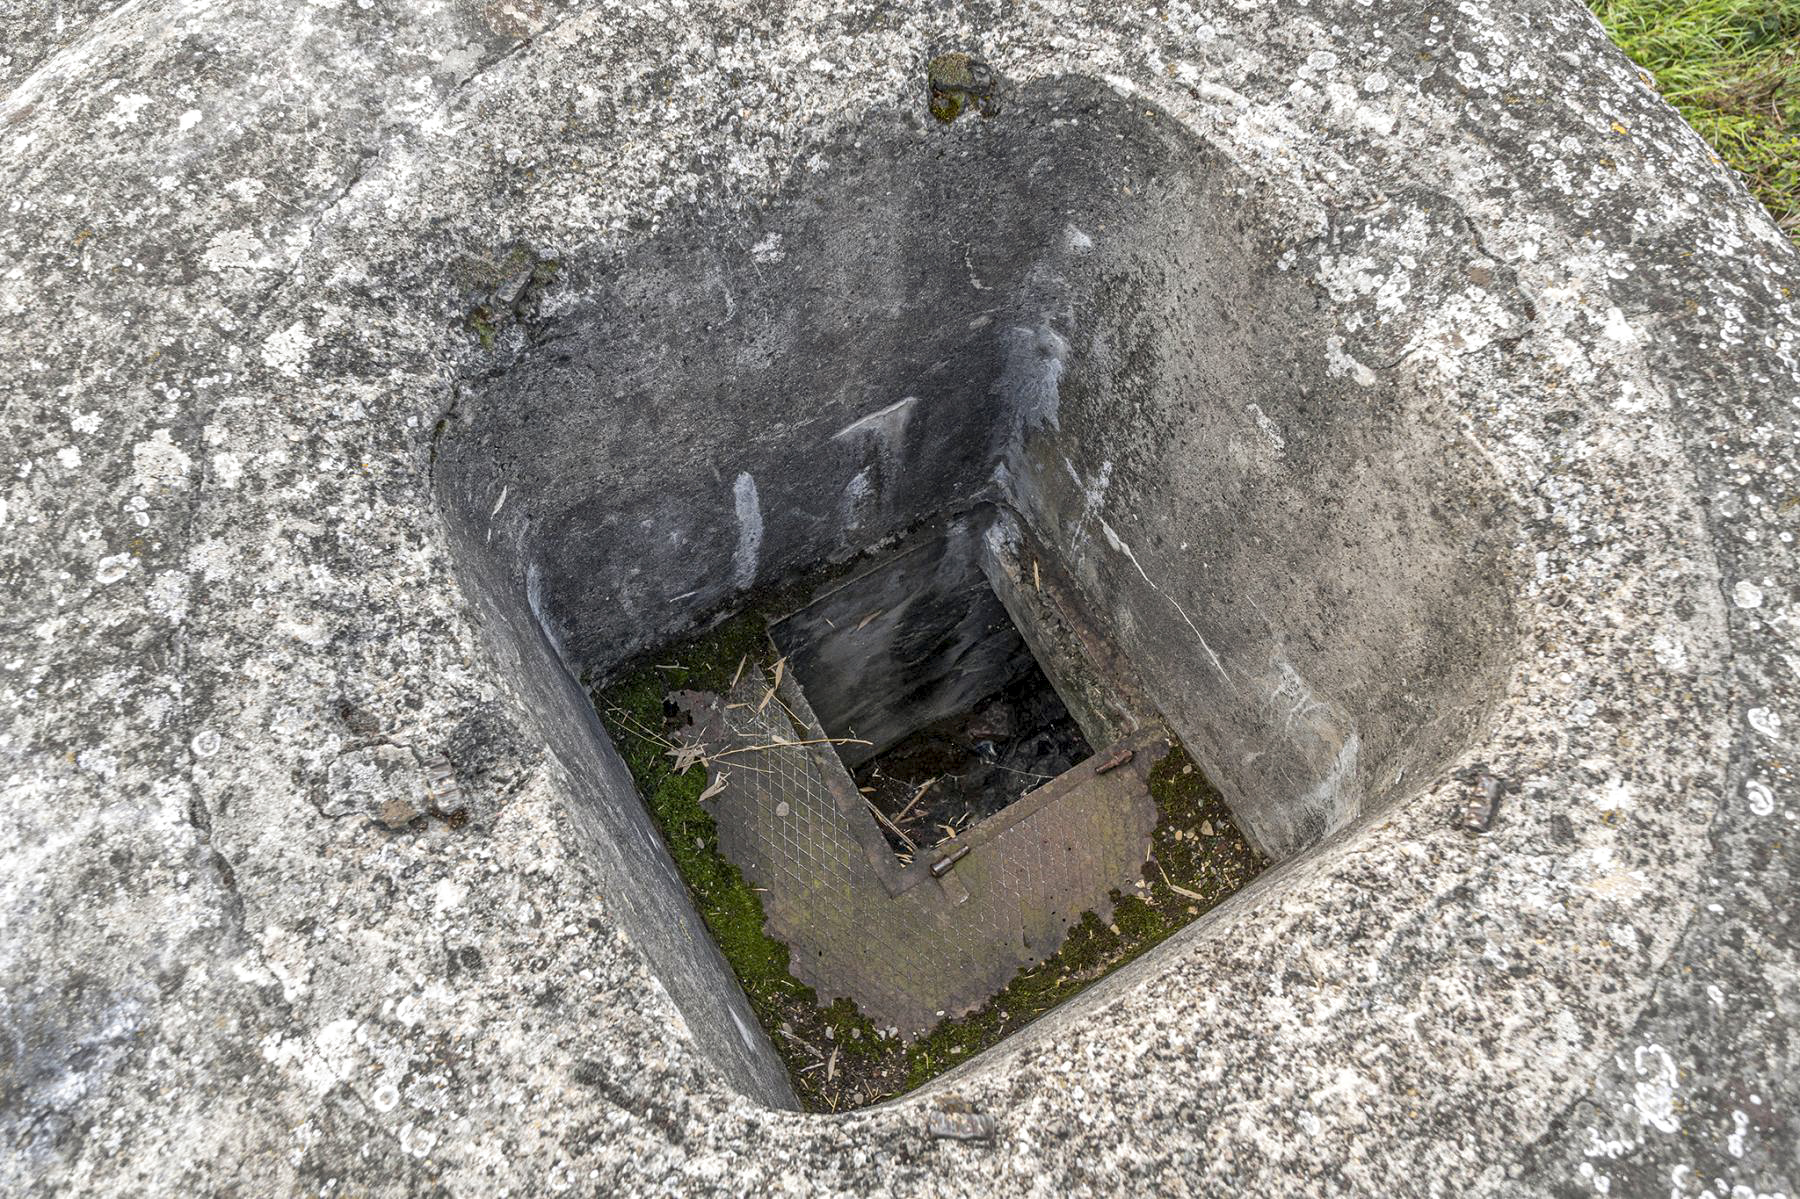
<point x="633" y="715"/>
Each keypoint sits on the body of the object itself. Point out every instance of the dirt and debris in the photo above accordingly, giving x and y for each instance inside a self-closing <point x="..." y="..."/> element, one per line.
<point x="944" y="779"/>
<point x="956" y="80"/>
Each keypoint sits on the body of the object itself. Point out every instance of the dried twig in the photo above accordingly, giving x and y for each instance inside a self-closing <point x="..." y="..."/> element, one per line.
<point x="780" y="743"/>
<point x="917" y="796"/>
<point x="686" y="756"/>
<point x="1195" y="895"/>
<point x="792" y="715"/>
<point x="639" y="730"/>
<point x="780" y="665"/>
<point x="802" y="1041"/>
<point x="1030" y="774"/>
<point x="746" y="766"/>
<point x="891" y="826"/>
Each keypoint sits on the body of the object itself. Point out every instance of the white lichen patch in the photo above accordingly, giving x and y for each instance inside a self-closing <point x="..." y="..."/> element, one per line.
<point x="157" y="462"/>
<point x="285" y="351"/>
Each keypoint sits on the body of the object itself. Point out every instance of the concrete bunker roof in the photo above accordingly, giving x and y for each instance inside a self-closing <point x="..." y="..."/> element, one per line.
<point x="246" y="244"/>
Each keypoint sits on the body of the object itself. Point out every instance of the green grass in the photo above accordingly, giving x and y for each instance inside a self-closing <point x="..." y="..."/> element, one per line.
<point x="1732" y="68"/>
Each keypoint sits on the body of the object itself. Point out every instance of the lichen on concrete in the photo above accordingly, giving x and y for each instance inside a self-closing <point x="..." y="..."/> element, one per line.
<point x="230" y="321"/>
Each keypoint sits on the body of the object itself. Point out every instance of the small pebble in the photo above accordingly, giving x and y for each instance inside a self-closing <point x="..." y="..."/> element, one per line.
<point x="396" y="814"/>
<point x="782" y="809"/>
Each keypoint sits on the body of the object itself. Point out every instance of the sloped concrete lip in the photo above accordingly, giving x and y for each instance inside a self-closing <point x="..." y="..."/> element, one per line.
<point x="1311" y="572"/>
<point x="1403" y="839"/>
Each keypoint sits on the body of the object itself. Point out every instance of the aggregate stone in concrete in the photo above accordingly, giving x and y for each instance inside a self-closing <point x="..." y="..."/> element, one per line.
<point x="244" y="244"/>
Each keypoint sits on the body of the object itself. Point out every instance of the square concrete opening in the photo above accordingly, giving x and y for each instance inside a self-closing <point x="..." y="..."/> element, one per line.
<point x="941" y="780"/>
<point x="935" y="700"/>
<point x="915" y="909"/>
<point x="1067" y="328"/>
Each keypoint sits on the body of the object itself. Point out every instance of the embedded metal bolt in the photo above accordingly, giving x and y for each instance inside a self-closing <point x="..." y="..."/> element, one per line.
<point x="1117" y="760"/>
<point x="941" y="867"/>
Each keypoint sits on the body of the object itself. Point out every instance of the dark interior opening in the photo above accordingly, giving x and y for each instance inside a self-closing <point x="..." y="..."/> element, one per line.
<point x="943" y="708"/>
<point x="947" y="777"/>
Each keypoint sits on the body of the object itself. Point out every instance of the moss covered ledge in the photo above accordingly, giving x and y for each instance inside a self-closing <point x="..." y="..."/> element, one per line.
<point x="835" y="1055"/>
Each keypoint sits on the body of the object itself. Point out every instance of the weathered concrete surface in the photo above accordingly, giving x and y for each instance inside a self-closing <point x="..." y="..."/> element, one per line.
<point x="31" y="33"/>
<point x="243" y="243"/>
<point x="1088" y="316"/>
<point x="916" y="639"/>
<point x="1093" y="679"/>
